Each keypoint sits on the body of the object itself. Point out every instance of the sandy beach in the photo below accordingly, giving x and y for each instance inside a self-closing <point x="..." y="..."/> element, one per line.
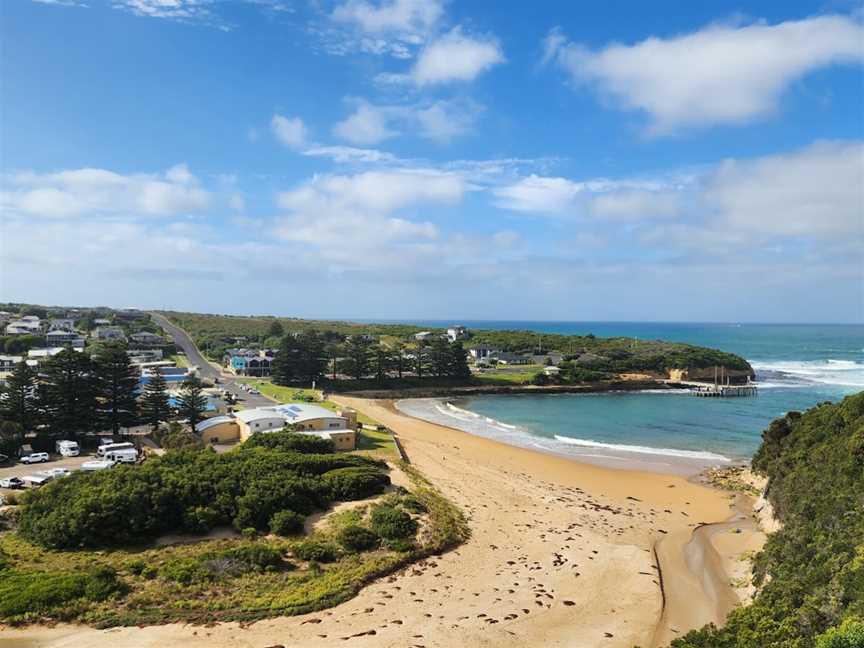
<point x="561" y="554"/>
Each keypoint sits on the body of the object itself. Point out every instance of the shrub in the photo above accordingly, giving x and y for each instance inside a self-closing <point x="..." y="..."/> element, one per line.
<point x="355" y="483"/>
<point x="401" y="544"/>
<point x="43" y="593"/>
<point x="260" y="556"/>
<point x="413" y="504"/>
<point x="286" y="523"/>
<point x="392" y="524"/>
<point x="313" y="550"/>
<point x="357" y="538"/>
<point x="292" y="441"/>
<point x="850" y="634"/>
<point x="190" y="491"/>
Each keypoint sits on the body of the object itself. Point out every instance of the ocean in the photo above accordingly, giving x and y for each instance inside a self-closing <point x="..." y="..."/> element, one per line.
<point x="797" y="366"/>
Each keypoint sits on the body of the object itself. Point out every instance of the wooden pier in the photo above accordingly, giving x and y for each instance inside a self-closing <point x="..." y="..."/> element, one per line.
<point x="724" y="391"/>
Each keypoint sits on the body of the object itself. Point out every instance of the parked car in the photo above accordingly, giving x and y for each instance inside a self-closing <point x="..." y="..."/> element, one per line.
<point x="56" y="472"/>
<point x="12" y="482"/>
<point x="35" y="457"/>
<point x="91" y="466"/>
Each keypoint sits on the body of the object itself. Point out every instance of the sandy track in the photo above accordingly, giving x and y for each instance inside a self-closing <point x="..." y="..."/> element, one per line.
<point x="561" y="554"/>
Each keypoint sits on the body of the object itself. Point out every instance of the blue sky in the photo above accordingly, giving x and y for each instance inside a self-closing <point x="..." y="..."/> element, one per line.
<point x="433" y="159"/>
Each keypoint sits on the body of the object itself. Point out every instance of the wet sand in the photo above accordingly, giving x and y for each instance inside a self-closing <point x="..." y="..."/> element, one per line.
<point x="561" y="554"/>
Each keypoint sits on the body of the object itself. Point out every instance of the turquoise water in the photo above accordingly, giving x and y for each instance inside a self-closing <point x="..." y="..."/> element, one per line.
<point x="797" y="366"/>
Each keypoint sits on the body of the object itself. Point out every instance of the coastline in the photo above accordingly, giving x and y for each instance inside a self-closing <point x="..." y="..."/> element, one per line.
<point x="561" y="554"/>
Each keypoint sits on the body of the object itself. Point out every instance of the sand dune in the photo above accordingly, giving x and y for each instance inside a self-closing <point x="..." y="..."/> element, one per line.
<point x="561" y="554"/>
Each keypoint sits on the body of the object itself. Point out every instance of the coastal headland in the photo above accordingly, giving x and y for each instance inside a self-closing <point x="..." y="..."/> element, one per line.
<point x="560" y="554"/>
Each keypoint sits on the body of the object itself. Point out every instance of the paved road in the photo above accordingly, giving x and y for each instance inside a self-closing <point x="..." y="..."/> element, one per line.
<point x="206" y="369"/>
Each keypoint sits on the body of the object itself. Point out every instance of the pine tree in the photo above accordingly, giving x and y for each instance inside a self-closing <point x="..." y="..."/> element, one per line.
<point x="421" y="358"/>
<point x="312" y="359"/>
<point x="154" y="404"/>
<point x="117" y="386"/>
<point x="458" y="365"/>
<point x="382" y="361"/>
<point x="68" y="394"/>
<point x="400" y="361"/>
<point x="440" y="357"/>
<point x="19" y="401"/>
<point x="276" y="329"/>
<point x="192" y="402"/>
<point x="284" y="368"/>
<point x="358" y="350"/>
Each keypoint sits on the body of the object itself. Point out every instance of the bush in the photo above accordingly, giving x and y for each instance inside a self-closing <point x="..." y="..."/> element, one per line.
<point x="848" y="635"/>
<point x="313" y="550"/>
<point x="392" y="524"/>
<point x="289" y="440"/>
<point x="217" y="565"/>
<point x="355" y="483"/>
<point x="413" y="504"/>
<point x="43" y="593"/>
<point x="402" y="545"/>
<point x="286" y="523"/>
<point x="188" y="491"/>
<point x="357" y="538"/>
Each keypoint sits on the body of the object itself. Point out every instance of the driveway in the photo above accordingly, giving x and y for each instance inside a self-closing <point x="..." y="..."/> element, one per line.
<point x="206" y="369"/>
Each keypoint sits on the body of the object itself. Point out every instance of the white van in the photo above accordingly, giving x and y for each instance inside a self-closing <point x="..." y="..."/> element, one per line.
<point x="103" y="450"/>
<point x="91" y="466"/>
<point x="68" y="448"/>
<point x="127" y="456"/>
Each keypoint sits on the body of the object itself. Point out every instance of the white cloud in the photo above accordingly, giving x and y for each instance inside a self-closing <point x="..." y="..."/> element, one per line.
<point x="408" y="19"/>
<point x="97" y="191"/>
<point x="813" y="193"/>
<point x="343" y="154"/>
<point x="367" y="125"/>
<point x="456" y="57"/>
<point x="818" y="191"/>
<point x="539" y="194"/>
<point x="291" y="131"/>
<point x="392" y="27"/>
<point x="720" y="74"/>
<point x="439" y="120"/>
<point x="377" y="191"/>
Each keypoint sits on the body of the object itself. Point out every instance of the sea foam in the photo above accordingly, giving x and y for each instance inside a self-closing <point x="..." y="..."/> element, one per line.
<point x="667" y="452"/>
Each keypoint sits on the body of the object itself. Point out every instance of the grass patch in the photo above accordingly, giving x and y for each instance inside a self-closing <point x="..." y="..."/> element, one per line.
<point x="179" y="359"/>
<point x="520" y="376"/>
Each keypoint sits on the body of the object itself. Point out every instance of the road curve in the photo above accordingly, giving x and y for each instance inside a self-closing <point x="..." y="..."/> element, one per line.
<point x="205" y="368"/>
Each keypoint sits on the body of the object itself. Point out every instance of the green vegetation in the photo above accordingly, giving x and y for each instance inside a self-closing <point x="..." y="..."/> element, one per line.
<point x="189" y="491"/>
<point x="810" y="574"/>
<point x="392" y="523"/>
<point x="240" y="579"/>
<point x="353" y="356"/>
<point x="25" y="595"/>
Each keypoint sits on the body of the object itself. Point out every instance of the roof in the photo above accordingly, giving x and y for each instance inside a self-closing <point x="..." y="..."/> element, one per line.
<point x="299" y="412"/>
<point x="211" y="422"/>
<point x="289" y="412"/>
<point x="257" y="414"/>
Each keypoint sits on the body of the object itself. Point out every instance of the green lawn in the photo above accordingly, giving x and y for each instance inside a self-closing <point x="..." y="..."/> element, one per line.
<point x="179" y="359"/>
<point x="515" y="376"/>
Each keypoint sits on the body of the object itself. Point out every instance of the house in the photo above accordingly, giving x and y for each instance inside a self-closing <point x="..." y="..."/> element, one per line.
<point x="552" y="370"/>
<point x="249" y="362"/>
<point x="9" y="362"/>
<point x="62" y="324"/>
<point x="101" y="321"/>
<point x="109" y="334"/>
<point x="306" y="418"/>
<point x="482" y="352"/>
<point x="59" y="337"/>
<point x="506" y="357"/>
<point x="40" y="355"/>
<point x="423" y="335"/>
<point x="146" y="339"/>
<point x="142" y="356"/>
<point x="130" y="314"/>
<point x="553" y="358"/>
<point x="27" y="325"/>
<point x="457" y="333"/>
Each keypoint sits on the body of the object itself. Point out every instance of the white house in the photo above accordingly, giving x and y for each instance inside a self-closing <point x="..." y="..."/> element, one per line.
<point x="423" y="335"/>
<point x="456" y="333"/>
<point x="146" y="339"/>
<point x="25" y="326"/>
<point x="482" y="352"/>
<point x="62" y="324"/>
<point x="59" y="337"/>
<point x="109" y="334"/>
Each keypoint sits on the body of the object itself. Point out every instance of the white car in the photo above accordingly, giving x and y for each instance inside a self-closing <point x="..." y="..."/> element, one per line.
<point x="56" y="472"/>
<point x="35" y="457"/>
<point x="12" y="482"/>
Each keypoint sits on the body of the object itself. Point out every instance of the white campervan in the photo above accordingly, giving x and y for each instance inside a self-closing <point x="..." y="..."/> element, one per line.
<point x="126" y="455"/>
<point x="104" y="449"/>
<point x="68" y="448"/>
